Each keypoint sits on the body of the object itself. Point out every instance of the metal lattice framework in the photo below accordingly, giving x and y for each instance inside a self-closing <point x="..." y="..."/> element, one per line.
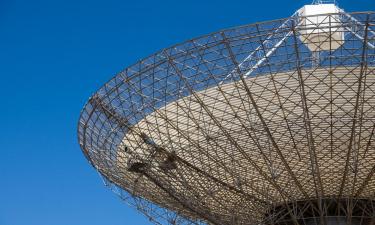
<point x="243" y="126"/>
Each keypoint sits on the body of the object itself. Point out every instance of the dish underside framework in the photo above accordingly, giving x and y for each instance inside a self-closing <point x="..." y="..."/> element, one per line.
<point x="268" y="123"/>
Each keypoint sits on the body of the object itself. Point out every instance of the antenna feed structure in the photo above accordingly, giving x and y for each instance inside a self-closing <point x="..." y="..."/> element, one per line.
<point x="320" y="27"/>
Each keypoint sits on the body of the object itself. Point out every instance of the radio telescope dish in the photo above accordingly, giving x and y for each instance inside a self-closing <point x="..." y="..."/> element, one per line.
<point x="267" y="123"/>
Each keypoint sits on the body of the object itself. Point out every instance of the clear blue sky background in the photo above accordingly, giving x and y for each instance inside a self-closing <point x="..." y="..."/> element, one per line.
<point x="53" y="56"/>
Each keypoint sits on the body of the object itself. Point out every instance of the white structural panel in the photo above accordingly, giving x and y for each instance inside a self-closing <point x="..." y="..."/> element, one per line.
<point x="186" y="129"/>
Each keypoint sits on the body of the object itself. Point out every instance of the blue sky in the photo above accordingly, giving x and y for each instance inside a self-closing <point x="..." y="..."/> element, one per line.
<point x="53" y="56"/>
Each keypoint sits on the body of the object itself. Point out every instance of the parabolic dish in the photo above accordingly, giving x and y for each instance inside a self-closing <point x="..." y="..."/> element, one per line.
<point x="229" y="126"/>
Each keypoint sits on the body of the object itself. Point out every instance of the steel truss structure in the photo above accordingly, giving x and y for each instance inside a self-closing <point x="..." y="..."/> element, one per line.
<point x="244" y="126"/>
